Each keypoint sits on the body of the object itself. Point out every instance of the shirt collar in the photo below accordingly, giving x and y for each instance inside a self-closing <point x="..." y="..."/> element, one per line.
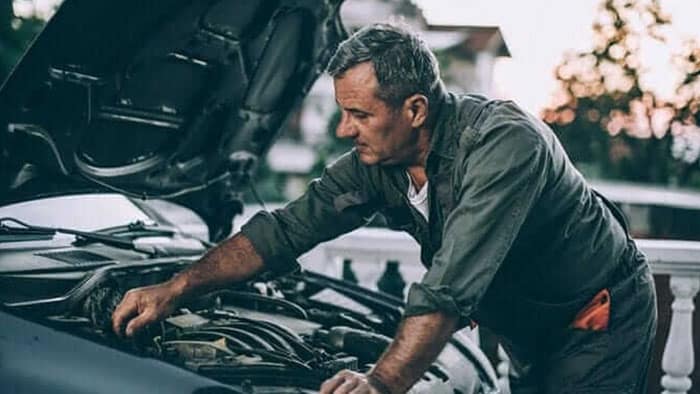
<point x="440" y="142"/>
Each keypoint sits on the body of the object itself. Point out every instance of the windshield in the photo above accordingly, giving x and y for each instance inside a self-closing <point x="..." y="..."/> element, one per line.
<point x="85" y="212"/>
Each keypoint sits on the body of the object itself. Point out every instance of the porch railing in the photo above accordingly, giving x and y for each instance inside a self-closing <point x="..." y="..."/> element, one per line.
<point x="369" y="249"/>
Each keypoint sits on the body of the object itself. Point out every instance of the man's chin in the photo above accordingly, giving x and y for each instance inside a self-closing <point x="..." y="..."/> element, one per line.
<point x="367" y="159"/>
<point x="372" y="159"/>
<point x="375" y="161"/>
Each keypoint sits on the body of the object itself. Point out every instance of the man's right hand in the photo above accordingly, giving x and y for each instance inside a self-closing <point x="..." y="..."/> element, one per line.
<point x="232" y="261"/>
<point x="143" y="306"/>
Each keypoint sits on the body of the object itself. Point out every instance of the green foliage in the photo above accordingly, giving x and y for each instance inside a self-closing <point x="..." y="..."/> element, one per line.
<point x="611" y="126"/>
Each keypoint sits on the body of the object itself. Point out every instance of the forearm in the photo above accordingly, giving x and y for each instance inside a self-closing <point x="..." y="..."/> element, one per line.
<point x="418" y="342"/>
<point x="233" y="260"/>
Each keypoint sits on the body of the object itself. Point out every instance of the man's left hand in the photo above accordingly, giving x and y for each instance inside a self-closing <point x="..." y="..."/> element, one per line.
<point x="348" y="382"/>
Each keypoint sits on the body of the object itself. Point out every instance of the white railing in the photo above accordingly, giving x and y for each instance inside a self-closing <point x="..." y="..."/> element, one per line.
<point x="369" y="249"/>
<point x="680" y="260"/>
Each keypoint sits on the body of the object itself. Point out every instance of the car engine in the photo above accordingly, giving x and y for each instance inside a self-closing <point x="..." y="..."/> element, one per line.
<point x="266" y="335"/>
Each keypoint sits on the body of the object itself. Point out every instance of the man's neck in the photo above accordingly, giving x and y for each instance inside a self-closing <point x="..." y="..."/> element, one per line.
<point x="418" y="176"/>
<point x="417" y="169"/>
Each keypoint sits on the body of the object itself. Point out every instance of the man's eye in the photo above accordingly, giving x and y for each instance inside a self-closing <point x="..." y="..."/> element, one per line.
<point x="359" y="115"/>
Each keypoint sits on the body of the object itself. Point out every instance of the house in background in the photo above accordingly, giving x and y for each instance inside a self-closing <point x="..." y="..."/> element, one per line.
<point x="466" y="54"/>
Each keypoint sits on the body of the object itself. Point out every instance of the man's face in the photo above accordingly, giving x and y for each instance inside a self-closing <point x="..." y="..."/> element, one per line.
<point x="382" y="134"/>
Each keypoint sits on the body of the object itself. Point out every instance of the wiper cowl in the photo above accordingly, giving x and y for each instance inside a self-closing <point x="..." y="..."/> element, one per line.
<point x="44" y="233"/>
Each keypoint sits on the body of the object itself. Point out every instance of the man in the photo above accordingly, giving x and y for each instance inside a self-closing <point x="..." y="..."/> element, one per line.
<point x="513" y="237"/>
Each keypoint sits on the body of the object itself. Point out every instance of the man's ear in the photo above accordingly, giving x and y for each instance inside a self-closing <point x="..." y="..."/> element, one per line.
<point x="416" y="106"/>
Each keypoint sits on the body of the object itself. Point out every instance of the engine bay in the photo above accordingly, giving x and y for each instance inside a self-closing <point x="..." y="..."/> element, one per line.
<point x="265" y="335"/>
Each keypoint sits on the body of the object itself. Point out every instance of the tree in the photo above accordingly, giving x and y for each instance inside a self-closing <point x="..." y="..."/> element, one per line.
<point x="611" y="124"/>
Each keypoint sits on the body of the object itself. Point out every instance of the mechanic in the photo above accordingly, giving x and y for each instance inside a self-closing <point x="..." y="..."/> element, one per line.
<point x="512" y="236"/>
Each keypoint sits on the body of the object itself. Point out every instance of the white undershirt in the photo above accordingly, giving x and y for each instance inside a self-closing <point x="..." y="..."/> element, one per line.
<point x="419" y="199"/>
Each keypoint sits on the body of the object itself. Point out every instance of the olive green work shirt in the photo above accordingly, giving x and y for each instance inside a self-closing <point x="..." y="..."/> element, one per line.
<point x="510" y="218"/>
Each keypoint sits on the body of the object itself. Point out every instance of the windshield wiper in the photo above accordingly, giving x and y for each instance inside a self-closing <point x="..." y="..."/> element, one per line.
<point x="16" y="234"/>
<point x="30" y="232"/>
<point x="132" y="231"/>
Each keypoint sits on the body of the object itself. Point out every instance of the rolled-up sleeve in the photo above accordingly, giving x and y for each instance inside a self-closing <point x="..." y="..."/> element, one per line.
<point x="504" y="175"/>
<point x="337" y="202"/>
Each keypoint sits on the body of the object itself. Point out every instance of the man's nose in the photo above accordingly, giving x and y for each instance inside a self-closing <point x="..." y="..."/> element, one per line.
<point x="345" y="128"/>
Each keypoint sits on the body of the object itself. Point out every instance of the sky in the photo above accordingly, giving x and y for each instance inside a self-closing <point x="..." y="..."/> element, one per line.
<point x="539" y="32"/>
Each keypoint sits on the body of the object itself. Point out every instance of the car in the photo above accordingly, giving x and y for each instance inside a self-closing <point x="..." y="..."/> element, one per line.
<point x="128" y="133"/>
<point x="655" y="211"/>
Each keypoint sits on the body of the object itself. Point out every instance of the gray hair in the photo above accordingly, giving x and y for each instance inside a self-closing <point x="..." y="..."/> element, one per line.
<point x="402" y="62"/>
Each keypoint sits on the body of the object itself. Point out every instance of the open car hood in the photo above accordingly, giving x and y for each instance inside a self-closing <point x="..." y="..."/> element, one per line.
<point x="158" y="99"/>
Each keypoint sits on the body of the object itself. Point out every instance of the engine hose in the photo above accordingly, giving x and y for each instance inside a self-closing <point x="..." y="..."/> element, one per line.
<point x="234" y="297"/>
<point x="297" y="343"/>
<point x="277" y="335"/>
<point x="262" y="336"/>
<point x="366" y="346"/>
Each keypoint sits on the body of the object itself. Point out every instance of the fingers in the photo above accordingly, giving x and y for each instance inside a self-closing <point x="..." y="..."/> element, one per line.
<point x="345" y="382"/>
<point x="329" y="386"/>
<point x="139" y="322"/>
<point x="348" y="385"/>
<point x="141" y="307"/>
<point x="126" y="309"/>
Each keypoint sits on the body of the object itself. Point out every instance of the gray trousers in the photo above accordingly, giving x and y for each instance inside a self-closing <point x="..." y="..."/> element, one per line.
<point x="614" y="360"/>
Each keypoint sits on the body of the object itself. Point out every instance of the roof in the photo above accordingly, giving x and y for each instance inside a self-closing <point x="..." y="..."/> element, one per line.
<point x="476" y="38"/>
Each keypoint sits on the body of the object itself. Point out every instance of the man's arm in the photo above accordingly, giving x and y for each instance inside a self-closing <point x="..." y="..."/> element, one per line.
<point x="269" y="240"/>
<point x="233" y="260"/>
<point x="418" y="342"/>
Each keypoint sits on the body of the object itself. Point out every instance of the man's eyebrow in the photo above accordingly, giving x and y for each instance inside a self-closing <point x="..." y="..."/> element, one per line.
<point x="355" y="110"/>
<point x="352" y="109"/>
<point x="359" y="111"/>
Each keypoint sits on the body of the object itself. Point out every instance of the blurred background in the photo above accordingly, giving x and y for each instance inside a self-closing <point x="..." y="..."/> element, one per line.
<point x="617" y="80"/>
